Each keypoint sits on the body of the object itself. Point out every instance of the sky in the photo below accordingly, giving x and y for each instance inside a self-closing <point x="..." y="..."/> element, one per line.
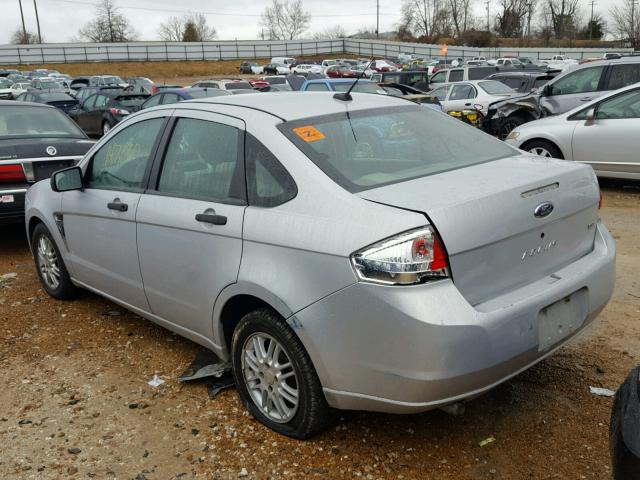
<point x="235" y="19"/>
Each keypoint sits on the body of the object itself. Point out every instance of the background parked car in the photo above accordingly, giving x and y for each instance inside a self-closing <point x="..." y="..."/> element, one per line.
<point x="223" y="84"/>
<point x="252" y="68"/>
<point x="471" y="95"/>
<point x="588" y="81"/>
<point x="107" y="80"/>
<point x="305" y="68"/>
<point x="5" y="89"/>
<point x="100" y="112"/>
<point x="415" y="79"/>
<point x="46" y="83"/>
<point x="449" y="75"/>
<point x="61" y="100"/>
<point x="523" y="82"/>
<point x="182" y="94"/>
<point x="340" y="85"/>
<point x="340" y="71"/>
<point x="35" y="141"/>
<point x="277" y="69"/>
<point x="602" y="133"/>
<point x="18" y="88"/>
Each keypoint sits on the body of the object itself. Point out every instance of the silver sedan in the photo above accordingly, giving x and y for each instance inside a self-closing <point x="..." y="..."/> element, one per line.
<point x="602" y="133"/>
<point x="374" y="254"/>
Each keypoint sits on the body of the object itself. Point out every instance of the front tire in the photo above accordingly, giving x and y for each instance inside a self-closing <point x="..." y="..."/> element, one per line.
<point x="52" y="271"/>
<point x="275" y="377"/>
<point x="543" y="148"/>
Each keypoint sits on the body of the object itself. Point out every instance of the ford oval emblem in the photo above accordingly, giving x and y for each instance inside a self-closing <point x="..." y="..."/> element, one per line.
<point x="543" y="210"/>
<point x="51" y="150"/>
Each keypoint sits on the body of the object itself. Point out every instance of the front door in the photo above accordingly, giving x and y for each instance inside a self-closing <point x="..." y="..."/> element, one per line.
<point x="190" y="220"/>
<point x="610" y="143"/>
<point x="99" y="222"/>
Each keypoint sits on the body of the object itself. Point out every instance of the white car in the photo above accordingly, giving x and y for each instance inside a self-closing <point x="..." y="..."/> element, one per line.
<point x="19" y="88"/>
<point x="223" y="84"/>
<point x="602" y="133"/>
<point x="304" y="69"/>
<point x="478" y="94"/>
<point x="508" y="62"/>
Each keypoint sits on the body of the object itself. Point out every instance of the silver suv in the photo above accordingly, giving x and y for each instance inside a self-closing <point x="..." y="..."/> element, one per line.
<point x="587" y="82"/>
<point x="373" y="254"/>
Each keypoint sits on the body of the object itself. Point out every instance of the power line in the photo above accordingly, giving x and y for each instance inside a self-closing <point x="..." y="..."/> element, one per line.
<point x="226" y="14"/>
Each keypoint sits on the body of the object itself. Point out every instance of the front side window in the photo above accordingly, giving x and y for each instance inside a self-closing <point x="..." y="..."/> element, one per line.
<point x="582" y="81"/>
<point x="170" y="98"/>
<point x="153" y="101"/>
<point x="201" y="161"/>
<point x="121" y="162"/>
<point x="456" y="75"/>
<point x="626" y="105"/>
<point x="101" y="101"/>
<point x="439" y="77"/>
<point x="382" y="146"/>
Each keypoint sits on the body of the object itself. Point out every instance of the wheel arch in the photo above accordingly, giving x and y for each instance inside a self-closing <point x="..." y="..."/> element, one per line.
<point x="539" y="138"/>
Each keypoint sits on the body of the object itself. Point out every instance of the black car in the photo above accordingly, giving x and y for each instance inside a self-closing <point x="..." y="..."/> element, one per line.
<point x="181" y="94"/>
<point x="418" y="79"/>
<point x="524" y="82"/>
<point x="245" y="67"/>
<point x="85" y="92"/>
<point x="103" y="110"/>
<point x="78" y="82"/>
<point x="61" y="100"/>
<point x="624" y="430"/>
<point x="35" y="141"/>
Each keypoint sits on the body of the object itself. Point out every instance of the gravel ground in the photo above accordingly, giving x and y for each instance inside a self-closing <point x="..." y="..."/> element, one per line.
<point x="76" y="403"/>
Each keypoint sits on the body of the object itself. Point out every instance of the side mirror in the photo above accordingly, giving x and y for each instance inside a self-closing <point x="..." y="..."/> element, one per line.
<point x="590" y="116"/>
<point x="67" y="180"/>
<point x="547" y="91"/>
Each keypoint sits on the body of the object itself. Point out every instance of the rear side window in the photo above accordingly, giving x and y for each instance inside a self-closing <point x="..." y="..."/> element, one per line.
<point x="201" y="162"/>
<point x="121" y="162"/>
<point x="456" y="75"/>
<point x="514" y="83"/>
<point x="268" y="182"/>
<point x="623" y="75"/>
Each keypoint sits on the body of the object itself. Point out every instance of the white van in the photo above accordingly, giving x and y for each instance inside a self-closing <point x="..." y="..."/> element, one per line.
<point x="285" y="60"/>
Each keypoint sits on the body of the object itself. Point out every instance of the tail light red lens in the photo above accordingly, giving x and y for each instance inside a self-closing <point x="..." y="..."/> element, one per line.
<point x="12" y="173"/>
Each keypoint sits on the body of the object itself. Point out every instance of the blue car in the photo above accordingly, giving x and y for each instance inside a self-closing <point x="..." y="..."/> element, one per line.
<point x="174" y="95"/>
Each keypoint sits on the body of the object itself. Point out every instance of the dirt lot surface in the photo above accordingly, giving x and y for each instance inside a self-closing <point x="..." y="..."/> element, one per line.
<point x="75" y="401"/>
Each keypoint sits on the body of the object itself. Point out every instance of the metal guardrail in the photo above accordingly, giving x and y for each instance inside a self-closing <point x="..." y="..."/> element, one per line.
<point x="253" y="49"/>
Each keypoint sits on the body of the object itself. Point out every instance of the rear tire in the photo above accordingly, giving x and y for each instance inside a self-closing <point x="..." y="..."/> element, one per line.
<point x="543" y="148"/>
<point x="275" y="377"/>
<point x="510" y="123"/>
<point x="52" y="271"/>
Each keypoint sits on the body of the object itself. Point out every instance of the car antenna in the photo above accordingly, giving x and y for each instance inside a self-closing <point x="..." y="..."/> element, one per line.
<point x="346" y="96"/>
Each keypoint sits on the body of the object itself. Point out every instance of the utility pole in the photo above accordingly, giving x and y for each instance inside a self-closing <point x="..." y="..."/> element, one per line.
<point x="487" y="3"/>
<point x="35" y="6"/>
<point x="377" y="19"/>
<point x="24" y="29"/>
<point x="529" y="5"/>
<point x="592" y="3"/>
<point x="633" y="23"/>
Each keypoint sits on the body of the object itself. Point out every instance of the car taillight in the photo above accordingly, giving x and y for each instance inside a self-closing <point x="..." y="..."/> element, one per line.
<point x="12" y="173"/>
<point x="154" y="89"/>
<point x="412" y="257"/>
<point x="119" y="111"/>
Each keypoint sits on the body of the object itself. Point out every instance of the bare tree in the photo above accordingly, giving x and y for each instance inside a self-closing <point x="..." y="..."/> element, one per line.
<point x="460" y="15"/>
<point x="417" y="17"/>
<point x="285" y="19"/>
<point x="330" y="33"/>
<point x="18" y="37"/>
<point x="173" y="30"/>
<point x="563" y="17"/>
<point x="510" y="22"/>
<point x="109" y="25"/>
<point x="626" y="21"/>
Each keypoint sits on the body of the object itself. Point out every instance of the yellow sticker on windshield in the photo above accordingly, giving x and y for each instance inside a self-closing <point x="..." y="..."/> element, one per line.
<point x="309" y="133"/>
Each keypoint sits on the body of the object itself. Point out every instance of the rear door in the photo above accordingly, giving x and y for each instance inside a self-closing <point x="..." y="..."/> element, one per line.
<point x="99" y="222"/>
<point x="610" y="143"/>
<point x="189" y="222"/>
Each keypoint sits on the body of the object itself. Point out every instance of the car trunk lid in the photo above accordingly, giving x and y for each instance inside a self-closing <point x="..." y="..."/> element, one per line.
<point x="485" y="217"/>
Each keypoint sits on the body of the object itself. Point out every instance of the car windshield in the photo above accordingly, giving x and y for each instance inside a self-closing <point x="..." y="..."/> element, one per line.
<point x="493" y="87"/>
<point x="25" y="121"/>
<point x="366" y="149"/>
<point x="361" y="87"/>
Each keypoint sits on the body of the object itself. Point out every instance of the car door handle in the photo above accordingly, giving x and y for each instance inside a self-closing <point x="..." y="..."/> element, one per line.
<point x="118" y="206"/>
<point x="211" y="218"/>
<point x="467" y="104"/>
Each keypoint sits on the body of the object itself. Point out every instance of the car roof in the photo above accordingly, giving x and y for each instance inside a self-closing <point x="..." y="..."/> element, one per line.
<point x="295" y="105"/>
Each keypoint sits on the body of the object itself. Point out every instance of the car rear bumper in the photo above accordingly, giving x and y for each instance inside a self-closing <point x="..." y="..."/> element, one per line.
<point x="410" y="349"/>
<point x="12" y="205"/>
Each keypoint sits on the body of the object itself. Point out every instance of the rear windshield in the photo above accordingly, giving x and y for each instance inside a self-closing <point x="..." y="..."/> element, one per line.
<point x="55" y="97"/>
<point x="367" y="149"/>
<point x="238" y="86"/>
<point x="20" y="121"/>
<point x="493" y="87"/>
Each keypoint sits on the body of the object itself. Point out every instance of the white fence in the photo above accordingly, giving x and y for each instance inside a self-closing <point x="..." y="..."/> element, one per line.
<point x="253" y="49"/>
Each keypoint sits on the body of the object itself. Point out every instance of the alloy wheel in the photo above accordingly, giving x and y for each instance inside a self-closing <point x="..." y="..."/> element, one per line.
<point x="48" y="263"/>
<point x="540" y="151"/>
<point x="270" y="377"/>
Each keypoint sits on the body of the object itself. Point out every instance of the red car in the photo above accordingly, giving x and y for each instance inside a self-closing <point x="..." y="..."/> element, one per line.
<point x="259" y="83"/>
<point x="341" y="71"/>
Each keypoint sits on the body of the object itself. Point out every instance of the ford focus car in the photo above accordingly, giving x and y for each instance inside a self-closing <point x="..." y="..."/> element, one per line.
<point x="376" y="255"/>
